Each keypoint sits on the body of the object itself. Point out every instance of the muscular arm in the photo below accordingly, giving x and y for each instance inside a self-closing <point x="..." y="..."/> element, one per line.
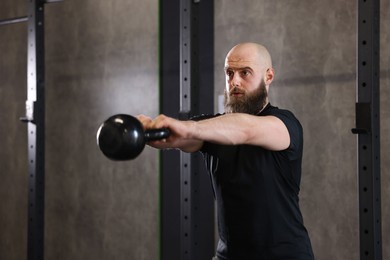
<point x="234" y="129"/>
<point x="230" y="129"/>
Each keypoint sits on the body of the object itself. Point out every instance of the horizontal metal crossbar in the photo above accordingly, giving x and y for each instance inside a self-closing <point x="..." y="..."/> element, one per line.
<point x="23" y="18"/>
<point x="14" y="20"/>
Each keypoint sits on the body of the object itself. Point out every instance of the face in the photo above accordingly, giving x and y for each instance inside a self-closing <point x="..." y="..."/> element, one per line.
<point x="242" y="101"/>
<point x="246" y="85"/>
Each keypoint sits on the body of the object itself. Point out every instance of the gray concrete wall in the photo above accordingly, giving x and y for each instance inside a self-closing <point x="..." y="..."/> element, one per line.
<point x="101" y="59"/>
<point x="313" y="48"/>
<point x="13" y="151"/>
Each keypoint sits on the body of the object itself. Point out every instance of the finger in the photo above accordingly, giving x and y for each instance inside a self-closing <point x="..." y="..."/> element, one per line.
<point x="161" y="144"/>
<point x="161" y="121"/>
<point x="143" y="118"/>
<point x="145" y="121"/>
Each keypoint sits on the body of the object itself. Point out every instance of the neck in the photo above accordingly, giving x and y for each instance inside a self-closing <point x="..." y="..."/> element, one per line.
<point x="265" y="105"/>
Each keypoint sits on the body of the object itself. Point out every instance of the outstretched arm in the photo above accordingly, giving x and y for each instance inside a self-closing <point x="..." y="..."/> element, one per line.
<point x="180" y="133"/>
<point x="230" y="129"/>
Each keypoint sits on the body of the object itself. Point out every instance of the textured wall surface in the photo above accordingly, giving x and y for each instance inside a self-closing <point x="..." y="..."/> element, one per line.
<point x="101" y="59"/>
<point x="385" y="125"/>
<point x="313" y="44"/>
<point x="13" y="134"/>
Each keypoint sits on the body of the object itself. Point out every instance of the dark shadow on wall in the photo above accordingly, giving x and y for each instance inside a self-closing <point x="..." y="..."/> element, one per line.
<point x="337" y="78"/>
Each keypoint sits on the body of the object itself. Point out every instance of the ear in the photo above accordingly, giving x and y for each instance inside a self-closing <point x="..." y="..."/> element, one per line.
<point x="269" y="76"/>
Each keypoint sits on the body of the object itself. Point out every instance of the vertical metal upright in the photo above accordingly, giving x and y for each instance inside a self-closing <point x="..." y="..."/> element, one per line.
<point x="186" y="73"/>
<point x="186" y="62"/>
<point x="368" y="129"/>
<point x="35" y="118"/>
<point x="191" y="222"/>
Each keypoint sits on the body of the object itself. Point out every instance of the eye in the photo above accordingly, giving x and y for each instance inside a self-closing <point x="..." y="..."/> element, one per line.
<point x="245" y="73"/>
<point x="229" y="73"/>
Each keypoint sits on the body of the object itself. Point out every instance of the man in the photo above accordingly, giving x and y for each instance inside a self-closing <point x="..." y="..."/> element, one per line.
<point x="253" y="153"/>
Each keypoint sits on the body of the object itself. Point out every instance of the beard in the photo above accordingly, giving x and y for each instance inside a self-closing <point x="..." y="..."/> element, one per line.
<point x="250" y="103"/>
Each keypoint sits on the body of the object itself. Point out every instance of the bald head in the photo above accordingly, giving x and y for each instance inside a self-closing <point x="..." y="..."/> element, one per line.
<point x="253" y="53"/>
<point x="248" y="74"/>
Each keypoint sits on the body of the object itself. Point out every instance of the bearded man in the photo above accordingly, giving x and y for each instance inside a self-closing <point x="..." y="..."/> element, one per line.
<point x="253" y="153"/>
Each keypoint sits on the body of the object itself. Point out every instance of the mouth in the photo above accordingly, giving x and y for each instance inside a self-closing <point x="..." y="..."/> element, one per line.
<point x="236" y="94"/>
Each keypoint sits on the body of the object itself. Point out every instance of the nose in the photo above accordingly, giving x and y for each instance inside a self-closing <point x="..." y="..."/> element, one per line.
<point x="235" y="80"/>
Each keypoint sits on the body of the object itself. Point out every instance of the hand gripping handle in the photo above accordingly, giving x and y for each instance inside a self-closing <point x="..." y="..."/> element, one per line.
<point x="156" y="134"/>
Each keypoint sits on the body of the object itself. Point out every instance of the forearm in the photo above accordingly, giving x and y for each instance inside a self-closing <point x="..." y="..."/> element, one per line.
<point x="190" y="145"/>
<point x="180" y="136"/>
<point x="229" y="129"/>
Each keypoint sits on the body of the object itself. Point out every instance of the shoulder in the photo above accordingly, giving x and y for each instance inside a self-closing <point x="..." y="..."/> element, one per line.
<point x="204" y="117"/>
<point x="275" y="111"/>
<point x="287" y="117"/>
<point x="293" y="126"/>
